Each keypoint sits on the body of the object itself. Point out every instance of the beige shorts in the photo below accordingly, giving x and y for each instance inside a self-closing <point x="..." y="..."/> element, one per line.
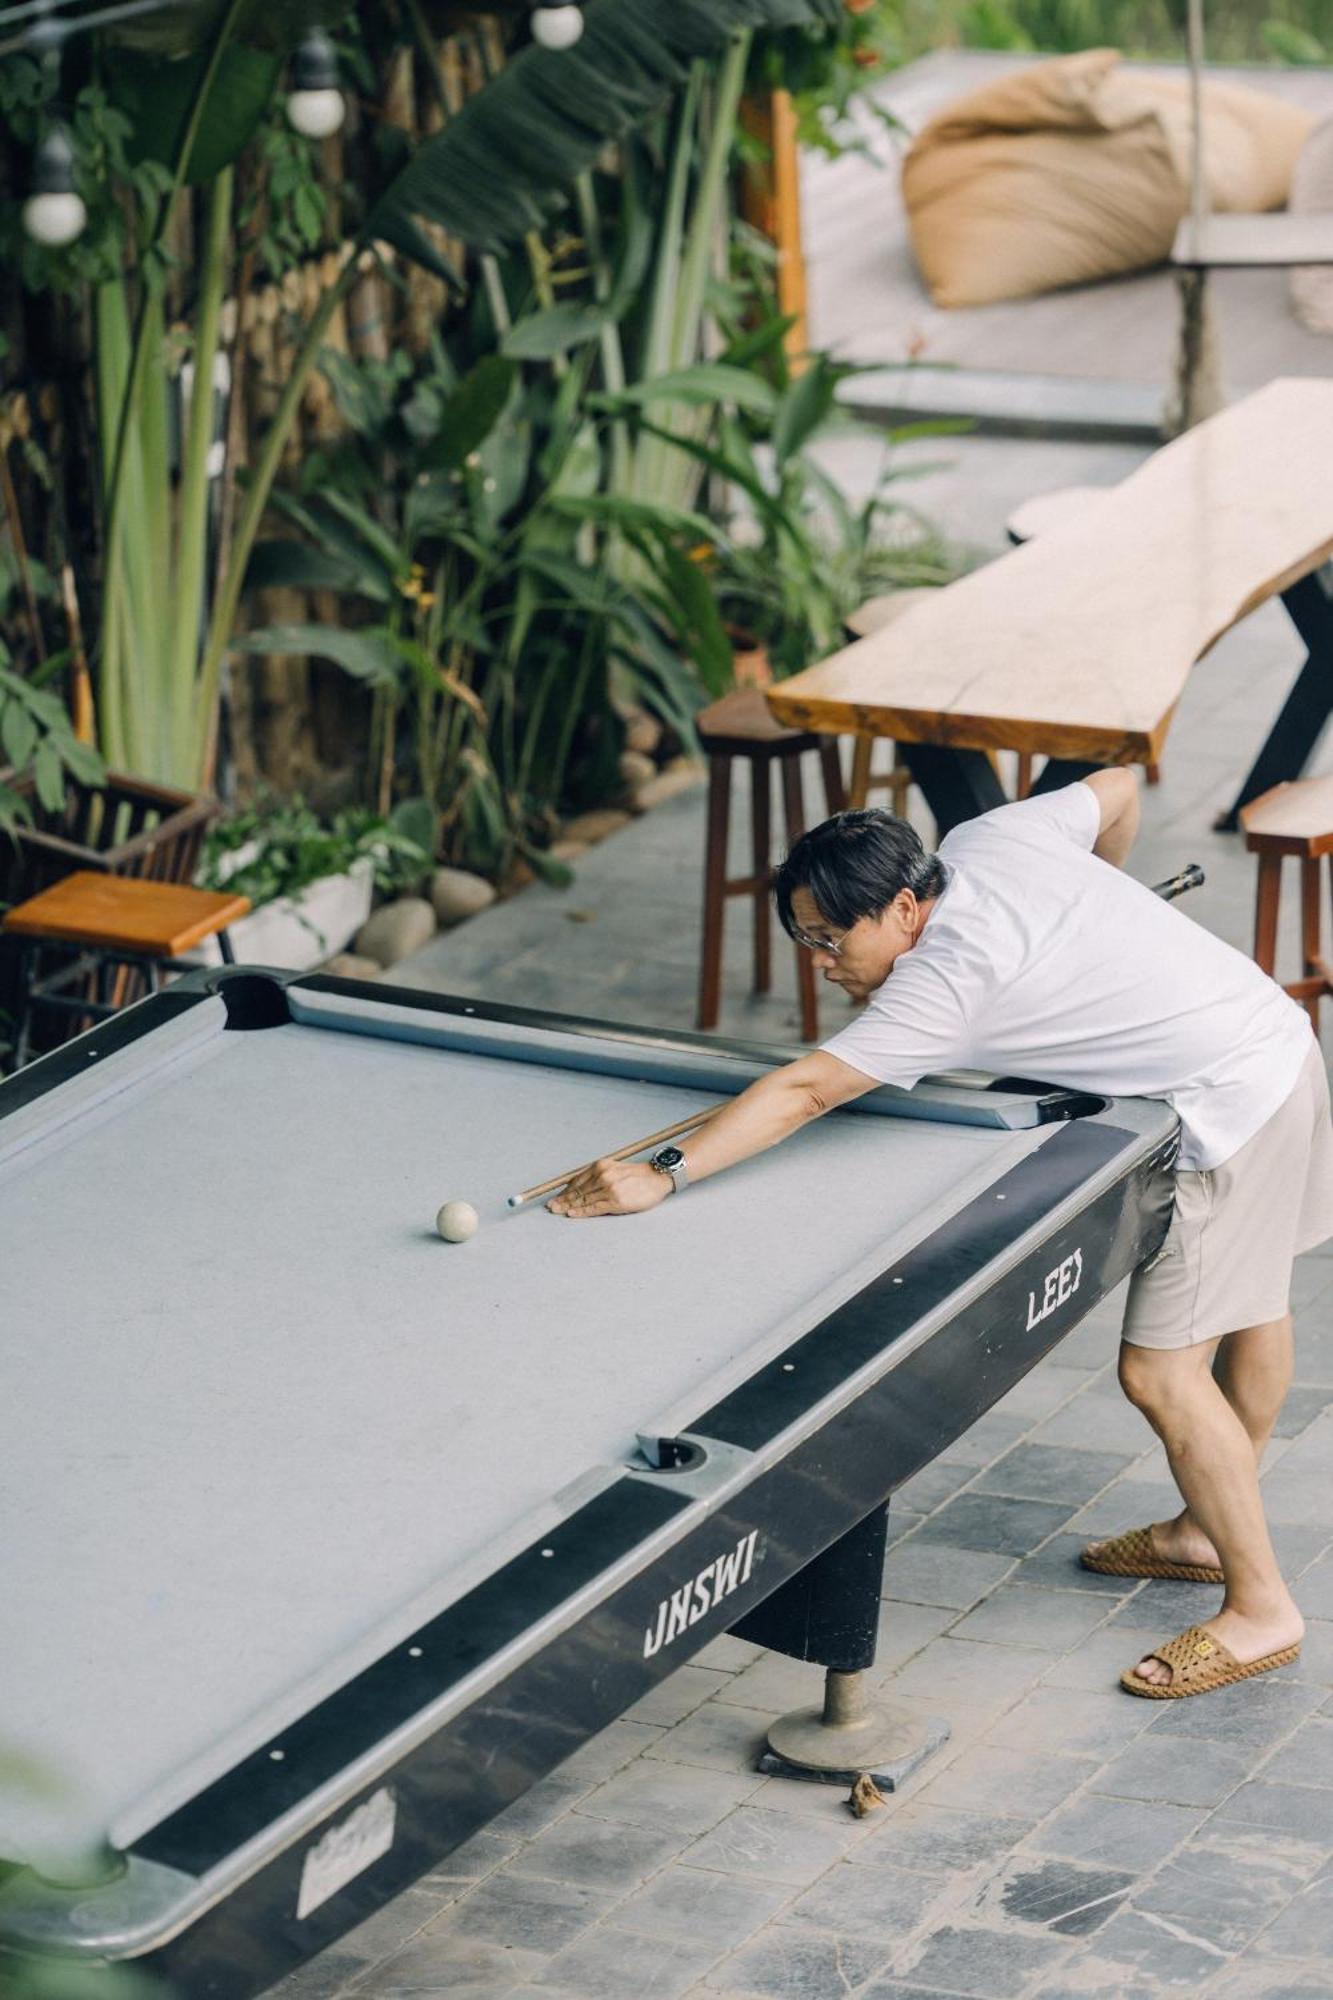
<point x="1226" y="1262"/>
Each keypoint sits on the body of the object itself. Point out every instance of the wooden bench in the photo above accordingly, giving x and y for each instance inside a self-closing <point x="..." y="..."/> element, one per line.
<point x="1077" y="646"/>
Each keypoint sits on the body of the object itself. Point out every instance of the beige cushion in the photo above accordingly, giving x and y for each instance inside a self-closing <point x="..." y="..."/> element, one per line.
<point x="1312" y="193"/>
<point x="1078" y="168"/>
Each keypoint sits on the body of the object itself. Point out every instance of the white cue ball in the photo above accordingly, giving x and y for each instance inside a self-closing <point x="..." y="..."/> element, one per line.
<point x="456" y="1221"/>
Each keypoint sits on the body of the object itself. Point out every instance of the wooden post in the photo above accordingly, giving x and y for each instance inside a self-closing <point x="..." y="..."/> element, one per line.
<point x="771" y="203"/>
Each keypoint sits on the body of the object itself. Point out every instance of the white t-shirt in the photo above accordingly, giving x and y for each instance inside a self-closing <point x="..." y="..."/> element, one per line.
<point x="1041" y="960"/>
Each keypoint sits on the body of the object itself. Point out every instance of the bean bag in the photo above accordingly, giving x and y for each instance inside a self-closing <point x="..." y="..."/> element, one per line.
<point x="1078" y="168"/>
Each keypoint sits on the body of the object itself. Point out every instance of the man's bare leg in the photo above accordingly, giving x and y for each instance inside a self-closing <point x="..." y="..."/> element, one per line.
<point x="1253" y="1369"/>
<point x="1213" y="1461"/>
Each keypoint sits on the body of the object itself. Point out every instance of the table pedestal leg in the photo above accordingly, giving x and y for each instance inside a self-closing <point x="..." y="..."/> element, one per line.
<point x="1292" y="738"/>
<point x="851" y="1734"/>
<point x="956" y="784"/>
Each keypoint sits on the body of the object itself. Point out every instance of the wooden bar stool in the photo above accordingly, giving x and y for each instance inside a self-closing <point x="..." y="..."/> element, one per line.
<point x="1296" y="818"/>
<point x="740" y="726"/>
<point x="1037" y="517"/>
<point x="93" y="924"/>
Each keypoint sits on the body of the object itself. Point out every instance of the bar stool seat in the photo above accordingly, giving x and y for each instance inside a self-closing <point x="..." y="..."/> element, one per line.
<point x="93" y="924"/>
<point x="740" y="725"/>
<point x="1293" y="819"/>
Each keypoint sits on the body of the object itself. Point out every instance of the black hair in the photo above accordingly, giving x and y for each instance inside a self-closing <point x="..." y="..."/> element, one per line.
<point x="855" y="864"/>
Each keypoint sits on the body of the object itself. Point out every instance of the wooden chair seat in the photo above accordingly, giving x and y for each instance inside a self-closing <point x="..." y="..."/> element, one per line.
<point x="1292" y="819"/>
<point x="121" y="913"/>
<point x="741" y="726"/>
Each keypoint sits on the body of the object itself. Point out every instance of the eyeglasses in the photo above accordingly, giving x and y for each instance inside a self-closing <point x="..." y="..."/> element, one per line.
<point x="832" y="945"/>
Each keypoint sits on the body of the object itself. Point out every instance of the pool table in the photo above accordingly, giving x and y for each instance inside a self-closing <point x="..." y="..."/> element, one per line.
<point x="324" y="1538"/>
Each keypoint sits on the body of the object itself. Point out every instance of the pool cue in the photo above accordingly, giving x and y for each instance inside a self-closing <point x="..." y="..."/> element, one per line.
<point x="1188" y="878"/>
<point x="622" y="1153"/>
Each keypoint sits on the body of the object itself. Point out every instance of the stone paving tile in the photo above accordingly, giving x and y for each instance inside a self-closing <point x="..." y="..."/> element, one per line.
<point x="548" y="1800"/>
<point x="933" y="1573"/>
<point x="904" y="1629"/>
<point x="1316" y="1660"/>
<point x="1059" y="1473"/>
<point x="717" y="1737"/>
<point x="1098" y="1661"/>
<point x="321" y="1978"/>
<point x="985" y="1521"/>
<point x="536" y="1915"/>
<point x="727" y="1652"/>
<point x="1252" y="1715"/>
<point x="933" y="1485"/>
<point x="1153" y="1948"/>
<point x="609" y="1963"/>
<point x="652" y="1794"/>
<point x="1304" y="1812"/>
<point x="1305" y="1758"/>
<point x="967" y="1680"/>
<point x="611" y="1748"/>
<point x="1019" y="1614"/>
<point x="1042" y="1390"/>
<point x="1115" y="1833"/>
<point x="598" y="1854"/>
<point x="992" y="1965"/>
<point x="1025" y="1783"/>
<point x="678" y="1695"/>
<point x="790" y="1963"/>
<point x="1305" y="1927"/>
<point x="1204" y="1777"/>
<point x="1098" y="1419"/>
<point x="1055" y="1896"/>
<point x="884" y="1901"/>
<point x="936" y="1840"/>
<point x="464" y="1968"/>
<point x="721" y="1910"/>
<point x="775" y="1684"/>
<point x="988" y="1437"/>
<point x="1252" y="1978"/>
<point x="1129" y="1503"/>
<point x="1080" y="1722"/>
<point x="1216" y="1896"/>
<point x="1056" y="1566"/>
<point x="1165" y="1608"/>
<point x="1316" y="1589"/>
<point x="1302" y="1406"/>
<point x="396" y="1923"/>
<point x="775" y="1847"/>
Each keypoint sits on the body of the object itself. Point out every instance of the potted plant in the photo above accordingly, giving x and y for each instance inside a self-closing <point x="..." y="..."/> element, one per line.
<point x="310" y="881"/>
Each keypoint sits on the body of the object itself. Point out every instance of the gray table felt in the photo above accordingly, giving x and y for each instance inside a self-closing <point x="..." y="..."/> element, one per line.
<point x="259" y="1422"/>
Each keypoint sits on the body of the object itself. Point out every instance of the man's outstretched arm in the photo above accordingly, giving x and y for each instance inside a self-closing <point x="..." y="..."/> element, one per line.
<point x="768" y="1112"/>
<point x="1117" y="795"/>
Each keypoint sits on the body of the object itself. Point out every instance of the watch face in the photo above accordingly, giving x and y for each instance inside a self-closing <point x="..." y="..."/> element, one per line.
<point x="669" y="1157"/>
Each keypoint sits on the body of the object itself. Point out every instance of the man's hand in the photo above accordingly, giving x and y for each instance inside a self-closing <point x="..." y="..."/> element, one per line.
<point x="611" y="1187"/>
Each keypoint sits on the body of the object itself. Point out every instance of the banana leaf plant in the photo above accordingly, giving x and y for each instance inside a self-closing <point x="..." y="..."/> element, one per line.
<point x="492" y="176"/>
<point x="449" y="524"/>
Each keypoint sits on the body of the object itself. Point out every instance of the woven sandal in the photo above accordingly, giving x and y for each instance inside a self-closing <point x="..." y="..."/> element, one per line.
<point x="1199" y="1663"/>
<point x="1133" y="1554"/>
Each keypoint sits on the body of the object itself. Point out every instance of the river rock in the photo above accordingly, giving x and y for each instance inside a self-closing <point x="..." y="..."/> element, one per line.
<point x="396" y="929"/>
<point x="456" y="895"/>
<point x="666" y="785"/>
<point x="351" y="965"/>
<point x="593" y="826"/>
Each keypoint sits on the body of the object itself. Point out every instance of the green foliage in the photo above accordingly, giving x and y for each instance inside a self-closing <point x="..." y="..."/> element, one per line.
<point x="1240" y="31"/>
<point x="279" y="847"/>
<point x="37" y="739"/>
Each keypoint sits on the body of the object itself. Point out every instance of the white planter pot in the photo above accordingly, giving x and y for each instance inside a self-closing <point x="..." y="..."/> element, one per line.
<point x="298" y="932"/>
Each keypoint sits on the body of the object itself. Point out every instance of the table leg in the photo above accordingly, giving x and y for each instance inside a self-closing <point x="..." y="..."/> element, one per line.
<point x="805" y="971"/>
<point x="835" y="796"/>
<point x="1293" y="736"/>
<point x="761" y="794"/>
<point x="715" y="889"/>
<point x="1265" y="911"/>
<point x="863" y="749"/>
<point x="1311" y="951"/>
<point x="956" y="784"/>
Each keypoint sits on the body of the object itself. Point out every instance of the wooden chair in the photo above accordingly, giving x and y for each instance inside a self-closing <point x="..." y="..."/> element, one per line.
<point x="739" y="726"/>
<point x="93" y="925"/>
<point x="126" y="826"/>
<point x="1296" y="819"/>
<point x="1037" y="517"/>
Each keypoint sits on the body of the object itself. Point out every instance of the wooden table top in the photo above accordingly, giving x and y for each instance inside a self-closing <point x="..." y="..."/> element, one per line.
<point x="1079" y="643"/>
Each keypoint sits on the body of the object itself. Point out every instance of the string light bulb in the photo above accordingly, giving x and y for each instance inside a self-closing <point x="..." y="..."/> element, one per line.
<point x="315" y="106"/>
<point x="556" y="24"/>
<point x="54" y="214"/>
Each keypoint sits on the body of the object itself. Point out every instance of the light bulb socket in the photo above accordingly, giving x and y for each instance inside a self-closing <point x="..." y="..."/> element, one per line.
<point x="53" y="163"/>
<point x="315" y="63"/>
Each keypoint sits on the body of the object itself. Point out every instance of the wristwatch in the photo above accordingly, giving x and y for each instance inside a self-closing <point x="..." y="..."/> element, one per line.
<point x="671" y="1161"/>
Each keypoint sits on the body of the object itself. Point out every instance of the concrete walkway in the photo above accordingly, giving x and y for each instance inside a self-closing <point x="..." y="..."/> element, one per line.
<point x="1068" y="1840"/>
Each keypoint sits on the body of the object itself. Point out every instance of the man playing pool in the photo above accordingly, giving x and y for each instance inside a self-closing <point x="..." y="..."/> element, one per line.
<point x="1020" y="948"/>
